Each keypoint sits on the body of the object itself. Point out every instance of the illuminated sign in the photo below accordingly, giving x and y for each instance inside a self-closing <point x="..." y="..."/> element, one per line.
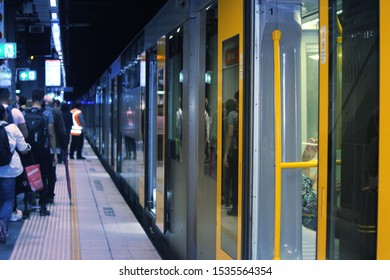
<point x="52" y="73"/>
<point x="7" y="50"/>
<point x="27" y="75"/>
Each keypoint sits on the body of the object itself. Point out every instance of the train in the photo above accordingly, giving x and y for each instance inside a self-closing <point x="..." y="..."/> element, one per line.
<point x="249" y="130"/>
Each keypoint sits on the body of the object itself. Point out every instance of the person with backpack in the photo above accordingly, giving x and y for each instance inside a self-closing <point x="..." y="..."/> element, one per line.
<point x="11" y="139"/>
<point x="61" y="143"/>
<point x="41" y="137"/>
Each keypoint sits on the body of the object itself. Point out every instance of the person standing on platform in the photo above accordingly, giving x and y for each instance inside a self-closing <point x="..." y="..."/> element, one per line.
<point x="61" y="144"/>
<point x="77" y="132"/>
<point x="68" y="120"/>
<point x="14" y="115"/>
<point x="231" y="154"/>
<point x="42" y="138"/>
<point x="9" y="171"/>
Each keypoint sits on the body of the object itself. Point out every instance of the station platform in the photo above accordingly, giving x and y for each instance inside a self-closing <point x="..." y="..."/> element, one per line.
<point x="95" y="224"/>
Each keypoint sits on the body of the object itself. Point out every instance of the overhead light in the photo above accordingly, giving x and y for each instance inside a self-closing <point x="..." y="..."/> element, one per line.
<point x="54" y="16"/>
<point x="56" y="36"/>
<point x="53" y="3"/>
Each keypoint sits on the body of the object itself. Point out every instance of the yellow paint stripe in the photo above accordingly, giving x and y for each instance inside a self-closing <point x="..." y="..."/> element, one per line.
<point x="74" y="221"/>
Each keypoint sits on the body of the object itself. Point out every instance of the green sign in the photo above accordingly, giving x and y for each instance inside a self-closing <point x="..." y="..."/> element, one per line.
<point x="7" y="50"/>
<point x="28" y="75"/>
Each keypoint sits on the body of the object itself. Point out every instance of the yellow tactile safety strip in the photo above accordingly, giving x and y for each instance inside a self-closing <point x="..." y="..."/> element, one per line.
<point x="76" y="253"/>
<point x="55" y="237"/>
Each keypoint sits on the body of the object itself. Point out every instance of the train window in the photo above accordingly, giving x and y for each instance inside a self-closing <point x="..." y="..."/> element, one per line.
<point x="211" y="94"/>
<point x="175" y="93"/>
<point x="151" y="193"/>
<point x="159" y="133"/>
<point x="354" y="100"/>
<point x="229" y="211"/>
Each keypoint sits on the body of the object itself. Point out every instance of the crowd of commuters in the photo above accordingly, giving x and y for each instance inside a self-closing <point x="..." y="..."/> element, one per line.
<point x="38" y="131"/>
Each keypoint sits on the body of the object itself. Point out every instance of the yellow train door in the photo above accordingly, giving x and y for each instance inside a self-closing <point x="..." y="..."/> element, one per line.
<point x="230" y="94"/>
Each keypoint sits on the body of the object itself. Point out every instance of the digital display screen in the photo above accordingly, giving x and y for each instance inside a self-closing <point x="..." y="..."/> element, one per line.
<point x="52" y="73"/>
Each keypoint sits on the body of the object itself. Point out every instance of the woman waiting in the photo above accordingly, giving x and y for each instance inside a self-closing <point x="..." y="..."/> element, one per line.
<point x="8" y="173"/>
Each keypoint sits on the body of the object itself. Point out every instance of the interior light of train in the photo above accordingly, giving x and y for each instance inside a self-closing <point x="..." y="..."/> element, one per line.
<point x="310" y="25"/>
<point x="178" y="30"/>
<point x="53" y="3"/>
<point x="181" y="77"/>
<point x="170" y="37"/>
<point x="54" y="16"/>
<point x="207" y="77"/>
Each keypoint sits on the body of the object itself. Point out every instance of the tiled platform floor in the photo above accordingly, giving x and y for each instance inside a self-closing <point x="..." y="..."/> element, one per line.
<point x="96" y="224"/>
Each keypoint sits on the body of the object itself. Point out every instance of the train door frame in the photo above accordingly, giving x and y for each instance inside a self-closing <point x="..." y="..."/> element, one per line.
<point x="152" y="126"/>
<point x="323" y="128"/>
<point x="383" y="240"/>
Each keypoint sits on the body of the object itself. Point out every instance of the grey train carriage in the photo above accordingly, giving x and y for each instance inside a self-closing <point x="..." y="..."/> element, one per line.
<point x="240" y="129"/>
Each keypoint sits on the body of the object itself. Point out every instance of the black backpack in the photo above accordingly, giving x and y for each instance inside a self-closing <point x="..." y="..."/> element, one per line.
<point x="5" y="150"/>
<point x="36" y="123"/>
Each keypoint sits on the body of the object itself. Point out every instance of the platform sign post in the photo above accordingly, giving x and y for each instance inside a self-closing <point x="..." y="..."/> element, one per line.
<point x="2" y="35"/>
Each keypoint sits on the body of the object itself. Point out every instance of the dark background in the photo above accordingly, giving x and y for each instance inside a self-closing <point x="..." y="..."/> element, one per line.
<point x="94" y="33"/>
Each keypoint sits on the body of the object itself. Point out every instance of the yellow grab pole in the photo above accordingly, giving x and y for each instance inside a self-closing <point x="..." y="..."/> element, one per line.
<point x="276" y="35"/>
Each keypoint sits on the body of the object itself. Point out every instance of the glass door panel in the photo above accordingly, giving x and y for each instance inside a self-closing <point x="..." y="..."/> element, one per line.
<point x="354" y="97"/>
<point x="160" y="135"/>
<point x="229" y="211"/>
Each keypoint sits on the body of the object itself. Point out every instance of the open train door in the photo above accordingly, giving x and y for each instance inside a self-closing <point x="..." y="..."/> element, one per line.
<point x="230" y="96"/>
<point x="353" y="110"/>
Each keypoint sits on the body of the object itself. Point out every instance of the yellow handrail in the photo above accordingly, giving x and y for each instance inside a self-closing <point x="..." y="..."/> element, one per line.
<point x="301" y="164"/>
<point x="276" y="35"/>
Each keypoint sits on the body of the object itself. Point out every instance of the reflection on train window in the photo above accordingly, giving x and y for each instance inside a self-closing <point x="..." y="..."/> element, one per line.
<point x="159" y="133"/>
<point x="229" y="211"/>
<point x="131" y="123"/>
<point x="309" y="132"/>
<point x="175" y="93"/>
<point x="354" y="96"/>
<point x="151" y="139"/>
<point x="211" y="94"/>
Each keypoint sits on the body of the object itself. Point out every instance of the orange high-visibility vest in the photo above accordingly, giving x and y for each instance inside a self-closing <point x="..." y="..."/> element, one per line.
<point x="76" y="127"/>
